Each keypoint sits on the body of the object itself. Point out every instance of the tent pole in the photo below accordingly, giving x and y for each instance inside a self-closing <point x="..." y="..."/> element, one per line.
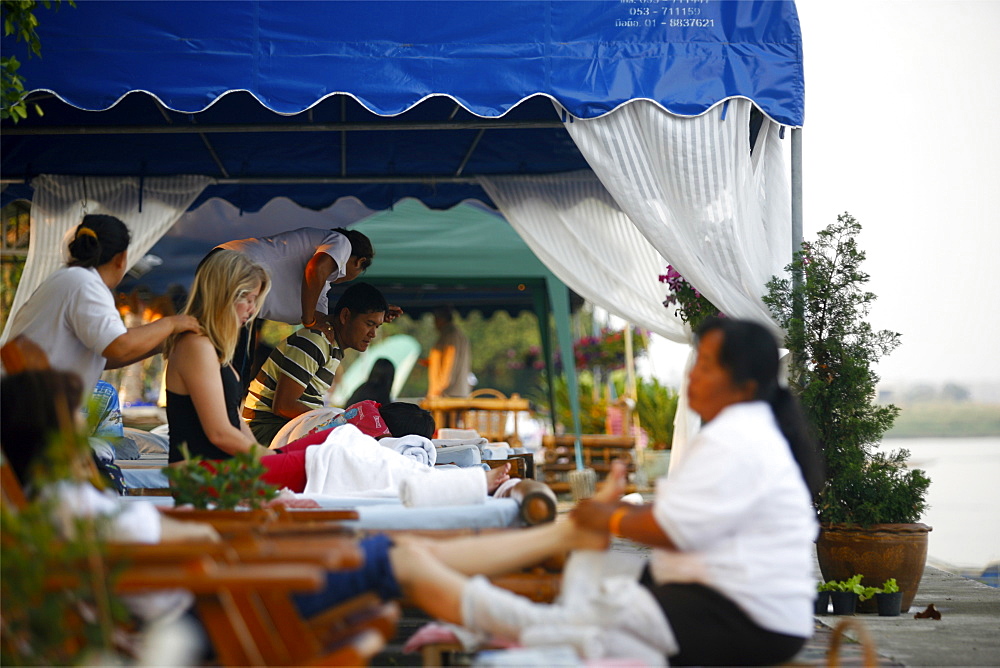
<point x="796" y="193"/>
<point x="797" y="306"/>
<point x="559" y="299"/>
<point x="542" y="311"/>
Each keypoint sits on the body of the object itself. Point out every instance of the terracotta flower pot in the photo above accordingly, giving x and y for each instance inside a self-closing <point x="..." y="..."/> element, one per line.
<point x="879" y="552"/>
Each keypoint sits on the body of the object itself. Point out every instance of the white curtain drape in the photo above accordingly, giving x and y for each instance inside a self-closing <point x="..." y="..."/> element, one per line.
<point x="576" y="229"/>
<point x="721" y="216"/>
<point x="687" y="191"/>
<point x="149" y="207"/>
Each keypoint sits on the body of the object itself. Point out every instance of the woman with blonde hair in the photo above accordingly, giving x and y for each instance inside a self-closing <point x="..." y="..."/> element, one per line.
<point x="202" y="403"/>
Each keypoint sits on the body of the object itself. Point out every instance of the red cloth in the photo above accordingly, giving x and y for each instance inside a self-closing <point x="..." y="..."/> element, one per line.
<point x="288" y="467"/>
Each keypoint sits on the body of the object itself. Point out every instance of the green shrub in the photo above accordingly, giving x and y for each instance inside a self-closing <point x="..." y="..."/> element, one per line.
<point x="834" y="350"/>
<point x="655" y="406"/>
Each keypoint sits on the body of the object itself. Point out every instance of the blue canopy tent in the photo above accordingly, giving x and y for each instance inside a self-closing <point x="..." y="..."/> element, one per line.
<point x="315" y="101"/>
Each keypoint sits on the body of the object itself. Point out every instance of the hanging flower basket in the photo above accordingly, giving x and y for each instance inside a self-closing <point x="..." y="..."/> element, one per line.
<point x="607" y="350"/>
<point x="692" y="306"/>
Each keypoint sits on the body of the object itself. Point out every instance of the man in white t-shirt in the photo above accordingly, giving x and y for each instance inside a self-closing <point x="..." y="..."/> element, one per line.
<point x="303" y="264"/>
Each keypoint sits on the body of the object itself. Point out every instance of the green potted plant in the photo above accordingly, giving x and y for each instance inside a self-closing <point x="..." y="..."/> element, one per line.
<point x="888" y="599"/>
<point x="223" y="485"/>
<point x="846" y="594"/>
<point x="823" y="590"/>
<point x="871" y="503"/>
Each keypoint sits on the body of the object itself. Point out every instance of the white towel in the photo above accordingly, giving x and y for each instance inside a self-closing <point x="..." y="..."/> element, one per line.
<point x="350" y="464"/>
<point x="415" y="447"/>
<point x="444" y="487"/>
<point x="448" y="433"/>
<point x="477" y="441"/>
<point x="505" y="488"/>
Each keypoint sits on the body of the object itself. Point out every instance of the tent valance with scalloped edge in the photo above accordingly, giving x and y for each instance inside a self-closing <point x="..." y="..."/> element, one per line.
<point x="380" y="100"/>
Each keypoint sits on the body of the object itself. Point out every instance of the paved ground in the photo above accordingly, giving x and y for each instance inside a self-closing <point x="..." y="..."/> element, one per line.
<point x="968" y="633"/>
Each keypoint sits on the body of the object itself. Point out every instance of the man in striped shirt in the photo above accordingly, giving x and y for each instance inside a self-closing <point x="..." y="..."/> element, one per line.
<point x="298" y="373"/>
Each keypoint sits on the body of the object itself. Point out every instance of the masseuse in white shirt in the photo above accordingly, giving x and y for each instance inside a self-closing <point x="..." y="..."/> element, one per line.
<point x="72" y="315"/>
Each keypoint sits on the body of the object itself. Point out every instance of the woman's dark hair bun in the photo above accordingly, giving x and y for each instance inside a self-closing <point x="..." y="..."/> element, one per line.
<point x="97" y="240"/>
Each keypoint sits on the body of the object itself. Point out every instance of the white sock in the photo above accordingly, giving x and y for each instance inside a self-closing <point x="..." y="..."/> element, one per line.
<point x="491" y="609"/>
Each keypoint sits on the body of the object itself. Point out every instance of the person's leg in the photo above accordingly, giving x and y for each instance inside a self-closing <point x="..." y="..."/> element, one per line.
<point x="376" y="575"/>
<point x="699" y="616"/>
<point x="265" y="426"/>
<point x="472" y="602"/>
<point x="506" y="551"/>
<point x="434" y="573"/>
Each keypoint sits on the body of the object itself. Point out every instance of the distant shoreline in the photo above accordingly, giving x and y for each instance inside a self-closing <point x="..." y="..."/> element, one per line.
<point x="946" y="420"/>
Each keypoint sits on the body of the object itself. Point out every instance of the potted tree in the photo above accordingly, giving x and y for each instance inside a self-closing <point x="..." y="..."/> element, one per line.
<point x="871" y="502"/>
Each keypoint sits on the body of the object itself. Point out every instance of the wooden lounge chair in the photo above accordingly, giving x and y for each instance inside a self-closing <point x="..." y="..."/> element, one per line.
<point x="242" y="590"/>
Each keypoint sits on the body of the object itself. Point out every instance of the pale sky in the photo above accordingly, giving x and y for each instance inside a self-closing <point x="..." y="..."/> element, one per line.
<point x="902" y="130"/>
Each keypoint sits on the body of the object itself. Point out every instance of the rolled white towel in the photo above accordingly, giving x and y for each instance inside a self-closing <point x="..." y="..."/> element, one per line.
<point x="444" y="487"/>
<point x="414" y="447"/>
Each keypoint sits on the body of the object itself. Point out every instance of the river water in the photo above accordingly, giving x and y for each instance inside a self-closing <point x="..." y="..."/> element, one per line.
<point x="963" y="498"/>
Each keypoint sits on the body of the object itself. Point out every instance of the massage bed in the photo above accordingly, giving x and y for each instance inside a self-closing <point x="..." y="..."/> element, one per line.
<point x="532" y="505"/>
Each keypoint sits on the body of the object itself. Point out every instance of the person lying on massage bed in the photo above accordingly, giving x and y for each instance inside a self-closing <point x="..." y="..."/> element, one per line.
<point x="203" y="388"/>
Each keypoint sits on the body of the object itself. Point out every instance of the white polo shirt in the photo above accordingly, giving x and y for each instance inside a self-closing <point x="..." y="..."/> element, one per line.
<point x="739" y="510"/>
<point x="72" y="317"/>
<point x="285" y="257"/>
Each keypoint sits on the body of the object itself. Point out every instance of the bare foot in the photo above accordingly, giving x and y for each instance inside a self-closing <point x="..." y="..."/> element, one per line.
<point x="496" y="477"/>
<point x="612" y="488"/>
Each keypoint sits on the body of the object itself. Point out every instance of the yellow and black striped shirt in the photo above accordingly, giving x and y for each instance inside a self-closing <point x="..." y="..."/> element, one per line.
<point x="308" y="358"/>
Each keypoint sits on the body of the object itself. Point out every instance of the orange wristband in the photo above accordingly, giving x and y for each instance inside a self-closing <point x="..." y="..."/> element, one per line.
<point x="615" y="523"/>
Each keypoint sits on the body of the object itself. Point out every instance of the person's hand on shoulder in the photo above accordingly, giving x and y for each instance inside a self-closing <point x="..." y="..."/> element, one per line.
<point x="316" y="321"/>
<point x="184" y="323"/>
<point x="393" y="313"/>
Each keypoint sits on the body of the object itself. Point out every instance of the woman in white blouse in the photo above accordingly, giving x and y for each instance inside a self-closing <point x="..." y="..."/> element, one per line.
<point x="72" y="314"/>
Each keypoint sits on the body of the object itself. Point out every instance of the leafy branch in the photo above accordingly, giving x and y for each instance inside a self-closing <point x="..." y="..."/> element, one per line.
<point x="20" y="21"/>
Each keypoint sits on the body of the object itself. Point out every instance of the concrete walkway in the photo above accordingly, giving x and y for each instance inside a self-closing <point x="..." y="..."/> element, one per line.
<point x="968" y="633"/>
